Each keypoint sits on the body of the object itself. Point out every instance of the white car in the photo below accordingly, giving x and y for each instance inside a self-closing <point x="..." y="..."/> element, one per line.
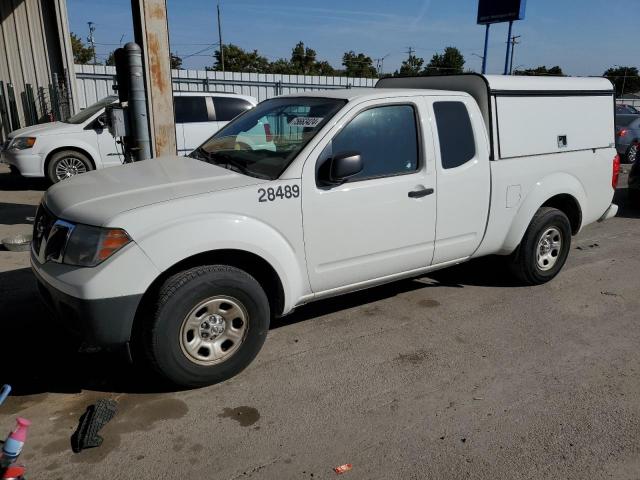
<point x="191" y="257"/>
<point x="82" y="143"/>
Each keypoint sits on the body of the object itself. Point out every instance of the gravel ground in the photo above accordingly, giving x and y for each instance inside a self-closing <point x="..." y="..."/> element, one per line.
<point x="457" y="374"/>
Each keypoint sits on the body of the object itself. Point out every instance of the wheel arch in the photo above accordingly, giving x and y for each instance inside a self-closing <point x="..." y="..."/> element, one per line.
<point x="253" y="264"/>
<point x="561" y="191"/>
<point x="70" y="148"/>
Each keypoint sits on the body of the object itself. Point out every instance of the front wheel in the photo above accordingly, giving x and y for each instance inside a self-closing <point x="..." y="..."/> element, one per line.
<point x="209" y="323"/>
<point x="544" y="248"/>
<point x="67" y="164"/>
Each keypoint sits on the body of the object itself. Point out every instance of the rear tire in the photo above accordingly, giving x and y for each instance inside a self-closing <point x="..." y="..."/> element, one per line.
<point x="197" y="313"/>
<point x="544" y="248"/>
<point x="66" y="164"/>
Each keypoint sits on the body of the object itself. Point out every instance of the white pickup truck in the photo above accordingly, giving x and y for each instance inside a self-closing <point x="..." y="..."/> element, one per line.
<point x="190" y="258"/>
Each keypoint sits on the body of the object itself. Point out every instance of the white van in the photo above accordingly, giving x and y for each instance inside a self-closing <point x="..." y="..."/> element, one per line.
<point x="82" y="143"/>
<point x="191" y="257"/>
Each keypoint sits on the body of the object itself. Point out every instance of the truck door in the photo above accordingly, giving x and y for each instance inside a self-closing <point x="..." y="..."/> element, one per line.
<point x="381" y="222"/>
<point x="463" y="177"/>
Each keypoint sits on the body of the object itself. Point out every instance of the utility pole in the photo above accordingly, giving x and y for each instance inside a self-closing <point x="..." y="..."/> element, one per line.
<point x="92" y="41"/>
<point x="506" y="60"/>
<point x="514" y="42"/>
<point x="624" y="81"/>
<point x="220" y="39"/>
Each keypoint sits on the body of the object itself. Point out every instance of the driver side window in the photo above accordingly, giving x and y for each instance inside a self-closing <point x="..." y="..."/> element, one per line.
<point x="385" y="137"/>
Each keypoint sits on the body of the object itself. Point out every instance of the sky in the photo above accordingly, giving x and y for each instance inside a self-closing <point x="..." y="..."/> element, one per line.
<point x="584" y="37"/>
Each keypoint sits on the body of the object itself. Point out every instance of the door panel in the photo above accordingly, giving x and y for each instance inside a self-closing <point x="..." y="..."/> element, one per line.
<point x="464" y="178"/>
<point x="370" y="228"/>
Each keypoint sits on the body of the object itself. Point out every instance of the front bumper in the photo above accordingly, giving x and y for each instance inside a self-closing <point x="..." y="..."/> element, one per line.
<point x="105" y="322"/>
<point x="98" y="304"/>
<point x="29" y="164"/>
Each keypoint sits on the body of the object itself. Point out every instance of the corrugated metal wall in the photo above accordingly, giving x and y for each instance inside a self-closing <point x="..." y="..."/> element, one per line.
<point x="96" y="81"/>
<point x="31" y="48"/>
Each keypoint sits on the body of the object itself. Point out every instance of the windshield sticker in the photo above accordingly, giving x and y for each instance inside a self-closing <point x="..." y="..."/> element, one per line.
<point x="309" y="122"/>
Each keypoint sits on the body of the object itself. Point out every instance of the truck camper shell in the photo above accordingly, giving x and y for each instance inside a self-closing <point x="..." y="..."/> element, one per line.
<point x="527" y="116"/>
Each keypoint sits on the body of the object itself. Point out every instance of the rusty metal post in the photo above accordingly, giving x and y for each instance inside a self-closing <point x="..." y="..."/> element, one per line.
<point x="152" y="34"/>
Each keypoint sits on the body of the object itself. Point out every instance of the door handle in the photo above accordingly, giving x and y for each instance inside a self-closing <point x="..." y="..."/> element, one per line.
<point x="421" y="193"/>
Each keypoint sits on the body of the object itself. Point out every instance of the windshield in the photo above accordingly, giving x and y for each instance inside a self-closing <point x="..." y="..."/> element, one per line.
<point x="84" y="115"/>
<point x="264" y="141"/>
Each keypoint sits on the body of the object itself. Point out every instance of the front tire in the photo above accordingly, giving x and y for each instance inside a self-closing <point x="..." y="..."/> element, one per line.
<point x="67" y="164"/>
<point x="544" y="248"/>
<point x="208" y="325"/>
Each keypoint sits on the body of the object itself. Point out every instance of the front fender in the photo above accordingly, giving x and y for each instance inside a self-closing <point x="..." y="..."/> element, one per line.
<point x="555" y="184"/>
<point x="193" y="235"/>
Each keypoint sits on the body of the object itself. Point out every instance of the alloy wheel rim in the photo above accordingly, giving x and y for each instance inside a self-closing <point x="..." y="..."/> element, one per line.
<point x="69" y="167"/>
<point x="549" y="248"/>
<point x="214" y="330"/>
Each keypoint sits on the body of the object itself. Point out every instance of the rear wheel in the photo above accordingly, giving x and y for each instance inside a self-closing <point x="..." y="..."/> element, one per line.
<point x="67" y="164"/>
<point x="544" y="248"/>
<point x="209" y="323"/>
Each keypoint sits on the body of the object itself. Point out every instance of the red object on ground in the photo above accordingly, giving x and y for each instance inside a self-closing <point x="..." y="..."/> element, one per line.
<point x="13" y="472"/>
<point x="343" y="468"/>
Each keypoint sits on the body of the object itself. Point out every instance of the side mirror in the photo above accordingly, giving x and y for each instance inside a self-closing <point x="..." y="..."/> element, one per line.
<point x="344" y="166"/>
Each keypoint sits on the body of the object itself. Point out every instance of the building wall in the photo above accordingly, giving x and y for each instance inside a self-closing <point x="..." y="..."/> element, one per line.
<point x="34" y="45"/>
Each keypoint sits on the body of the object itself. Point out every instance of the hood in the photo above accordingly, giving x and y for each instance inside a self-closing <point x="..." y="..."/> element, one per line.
<point x="95" y="197"/>
<point x="53" y="128"/>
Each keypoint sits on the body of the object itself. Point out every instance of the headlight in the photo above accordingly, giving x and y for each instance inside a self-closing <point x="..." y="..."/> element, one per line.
<point x="90" y="246"/>
<point x="22" y="143"/>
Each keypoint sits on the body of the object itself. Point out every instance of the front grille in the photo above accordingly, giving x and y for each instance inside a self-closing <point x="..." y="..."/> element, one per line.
<point x="50" y="236"/>
<point x="41" y="228"/>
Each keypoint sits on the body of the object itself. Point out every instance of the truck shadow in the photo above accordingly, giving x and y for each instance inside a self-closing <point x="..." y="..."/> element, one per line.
<point x="39" y="357"/>
<point x="626" y="208"/>
<point x="16" y="213"/>
<point x="13" y="183"/>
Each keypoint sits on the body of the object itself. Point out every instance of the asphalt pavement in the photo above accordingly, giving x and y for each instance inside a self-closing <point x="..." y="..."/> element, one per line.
<point x="458" y="374"/>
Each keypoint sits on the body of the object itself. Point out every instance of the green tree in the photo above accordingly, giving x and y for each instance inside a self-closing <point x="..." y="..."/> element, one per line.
<point x="303" y="60"/>
<point x="324" y="68"/>
<point x="411" y="67"/>
<point x="281" y="66"/>
<point x="450" y="62"/>
<point x="82" y="55"/>
<point x="176" y="62"/>
<point x="625" y="79"/>
<point x="542" y="70"/>
<point x="238" y="60"/>
<point x="358" y="65"/>
<point x="111" y="59"/>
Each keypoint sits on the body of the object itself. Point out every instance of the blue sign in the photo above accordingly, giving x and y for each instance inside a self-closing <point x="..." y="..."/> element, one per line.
<point x="498" y="11"/>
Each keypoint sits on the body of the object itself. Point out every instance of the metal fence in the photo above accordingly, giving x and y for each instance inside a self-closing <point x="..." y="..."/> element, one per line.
<point x="39" y="105"/>
<point x="96" y="81"/>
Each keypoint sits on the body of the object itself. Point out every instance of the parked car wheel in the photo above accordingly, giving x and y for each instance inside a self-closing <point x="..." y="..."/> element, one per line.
<point x="67" y="164"/>
<point x="209" y="323"/>
<point x="544" y="248"/>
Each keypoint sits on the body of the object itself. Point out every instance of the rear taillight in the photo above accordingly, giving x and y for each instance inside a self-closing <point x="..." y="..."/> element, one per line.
<point x="267" y="132"/>
<point x="622" y="132"/>
<point x="616" y="172"/>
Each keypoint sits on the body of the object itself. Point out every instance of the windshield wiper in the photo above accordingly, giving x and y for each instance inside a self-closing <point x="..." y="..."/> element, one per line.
<point x="226" y="160"/>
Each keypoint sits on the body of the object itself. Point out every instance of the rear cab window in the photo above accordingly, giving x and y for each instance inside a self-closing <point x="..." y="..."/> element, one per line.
<point x="457" y="141"/>
<point x="192" y="110"/>
<point x="228" y="108"/>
